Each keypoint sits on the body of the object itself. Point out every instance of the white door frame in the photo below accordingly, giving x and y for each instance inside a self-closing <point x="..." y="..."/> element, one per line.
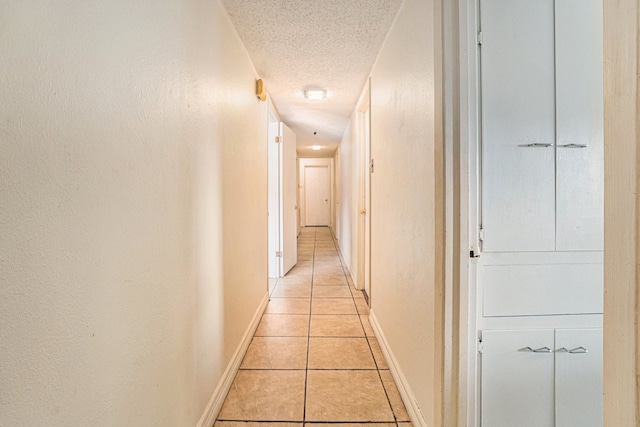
<point x="304" y="162"/>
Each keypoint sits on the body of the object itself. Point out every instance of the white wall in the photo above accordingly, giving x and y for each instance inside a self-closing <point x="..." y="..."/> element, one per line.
<point x="406" y="207"/>
<point x="133" y="210"/>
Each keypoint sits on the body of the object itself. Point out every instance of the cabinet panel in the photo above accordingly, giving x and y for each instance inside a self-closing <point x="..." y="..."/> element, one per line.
<point x="518" y="99"/>
<point x="580" y="117"/>
<point x="517" y="386"/>
<point x="544" y="289"/>
<point x="579" y="378"/>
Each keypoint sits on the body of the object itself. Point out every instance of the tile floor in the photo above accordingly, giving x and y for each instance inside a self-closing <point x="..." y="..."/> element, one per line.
<point x="314" y="358"/>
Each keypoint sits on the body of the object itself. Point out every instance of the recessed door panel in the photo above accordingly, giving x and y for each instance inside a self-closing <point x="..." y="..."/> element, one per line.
<point x="518" y="125"/>
<point x="580" y="117"/>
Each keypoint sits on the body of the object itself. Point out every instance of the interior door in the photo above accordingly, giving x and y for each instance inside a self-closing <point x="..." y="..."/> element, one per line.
<point x="518" y="125"/>
<point x="273" y="153"/>
<point x="580" y="134"/>
<point x="289" y="183"/>
<point x="517" y="378"/>
<point x="579" y="378"/>
<point x="316" y="195"/>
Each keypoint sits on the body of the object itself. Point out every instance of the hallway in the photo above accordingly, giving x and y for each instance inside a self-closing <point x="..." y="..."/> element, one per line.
<point x="314" y="357"/>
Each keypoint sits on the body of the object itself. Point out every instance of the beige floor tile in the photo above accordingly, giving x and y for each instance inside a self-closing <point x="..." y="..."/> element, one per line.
<point x="322" y="280"/>
<point x="346" y="396"/>
<point x="283" y="325"/>
<point x="265" y="395"/>
<point x="295" y="280"/>
<point x="328" y="270"/>
<point x="292" y="291"/>
<point x="328" y="325"/>
<point x="397" y="405"/>
<point x="340" y="353"/>
<point x="302" y="270"/>
<point x="333" y="306"/>
<point x="330" y="292"/>
<point x="405" y="424"/>
<point x="349" y="425"/>
<point x="368" y="330"/>
<point x="326" y="252"/>
<point x="377" y="353"/>
<point x="289" y="306"/>
<point x="258" y="424"/>
<point x="276" y="353"/>
<point x="305" y="256"/>
<point x="361" y="306"/>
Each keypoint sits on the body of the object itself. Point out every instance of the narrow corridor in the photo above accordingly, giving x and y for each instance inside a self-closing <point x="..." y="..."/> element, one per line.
<point x="314" y="358"/>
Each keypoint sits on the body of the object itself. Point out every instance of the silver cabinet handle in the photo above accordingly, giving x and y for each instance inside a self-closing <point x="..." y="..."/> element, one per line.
<point x="562" y="350"/>
<point x="536" y="350"/>
<point x="536" y="145"/>
<point x="573" y="146"/>
<point x="579" y="350"/>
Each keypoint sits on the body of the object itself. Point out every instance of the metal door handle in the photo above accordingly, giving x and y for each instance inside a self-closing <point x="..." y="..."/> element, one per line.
<point x="363" y="212"/>
<point x="536" y="350"/>
<point x="579" y="350"/>
<point x="536" y="145"/>
<point x="573" y="146"/>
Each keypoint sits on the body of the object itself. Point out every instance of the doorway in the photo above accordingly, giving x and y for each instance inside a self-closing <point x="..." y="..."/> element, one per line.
<point x="316" y="192"/>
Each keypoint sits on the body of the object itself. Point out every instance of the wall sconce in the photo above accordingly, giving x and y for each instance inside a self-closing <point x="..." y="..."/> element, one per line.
<point x="261" y="91"/>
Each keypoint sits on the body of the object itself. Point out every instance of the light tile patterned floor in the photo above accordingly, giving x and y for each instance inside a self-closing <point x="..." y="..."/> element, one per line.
<point x="314" y="358"/>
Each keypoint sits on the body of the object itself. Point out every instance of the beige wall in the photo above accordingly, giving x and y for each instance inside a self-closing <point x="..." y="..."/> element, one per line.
<point x="133" y="210"/>
<point x="622" y="217"/>
<point x="405" y="201"/>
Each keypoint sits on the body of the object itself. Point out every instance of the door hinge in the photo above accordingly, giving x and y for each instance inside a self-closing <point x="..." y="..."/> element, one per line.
<point x="278" y="254"/>
<point x="481" y="234"/>
<point x="277" y="139"/>
<point x="371" y="165"/>
<point x="479" y="38"/>
<point x="480" y="347"/>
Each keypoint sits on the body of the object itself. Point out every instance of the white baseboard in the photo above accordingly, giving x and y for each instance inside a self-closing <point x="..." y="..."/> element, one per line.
<point x="224" y="385"/>
<point x="417" y="419"/>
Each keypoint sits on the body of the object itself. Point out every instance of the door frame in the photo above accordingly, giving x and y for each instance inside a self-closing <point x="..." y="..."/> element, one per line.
<point x="302" y="164"/>
<point x="363" y="138"/>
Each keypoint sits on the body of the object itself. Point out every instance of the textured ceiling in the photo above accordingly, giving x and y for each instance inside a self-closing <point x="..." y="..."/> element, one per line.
<point x="324" y="44"/>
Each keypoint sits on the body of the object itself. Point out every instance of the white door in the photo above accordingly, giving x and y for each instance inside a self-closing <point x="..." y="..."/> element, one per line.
<point x="579" y="378"/>
<point x="367" y="204"/>
<point x="517" y="378"/>
<point x="518" y="125"/>
<point x="273" y="153"/>
<point x="289" y="192"/>
<point x="580" y="134"/>
<point x="316" y="195"/>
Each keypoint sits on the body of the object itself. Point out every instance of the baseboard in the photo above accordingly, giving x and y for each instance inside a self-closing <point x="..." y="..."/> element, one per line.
<point x="344" y="264"/>
<point x="224" y="385"/>
<point x="415" y="415"/>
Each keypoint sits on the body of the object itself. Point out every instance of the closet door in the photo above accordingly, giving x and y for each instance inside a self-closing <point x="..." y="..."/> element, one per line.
<point x="517" y="378"/>
<point x="580" y="117"/>
<point x="518" y="125"/>
<point x="579" y="378"/>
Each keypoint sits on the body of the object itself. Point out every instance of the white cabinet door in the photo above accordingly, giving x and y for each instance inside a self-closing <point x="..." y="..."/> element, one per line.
<point x="580" y="118"/>
<point x="517" y="378"/>
<point x="579" y="378"/>
<point x="518" y="125"/>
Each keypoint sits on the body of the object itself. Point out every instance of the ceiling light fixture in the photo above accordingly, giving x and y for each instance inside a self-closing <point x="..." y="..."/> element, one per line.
<point x="316" y="147"/>
<point x="315" y="94"/>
